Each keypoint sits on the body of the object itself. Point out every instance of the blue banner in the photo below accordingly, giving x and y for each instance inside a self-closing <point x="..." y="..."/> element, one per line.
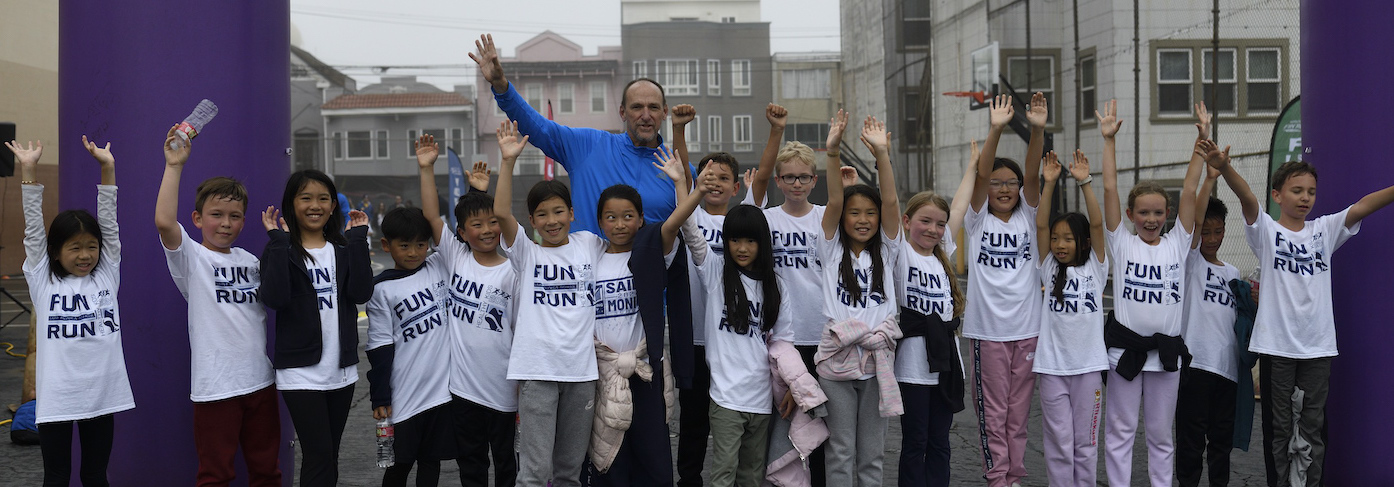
<point x="457" y="186"/>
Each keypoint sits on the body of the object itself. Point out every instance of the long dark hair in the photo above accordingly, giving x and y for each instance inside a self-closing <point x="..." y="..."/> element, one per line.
<point x="64" y="227"/>
<point x="333" y="228"/>
<point x="1079" y="226"/>
<point x="747" y="221"/>
<point x="849" y="276"/>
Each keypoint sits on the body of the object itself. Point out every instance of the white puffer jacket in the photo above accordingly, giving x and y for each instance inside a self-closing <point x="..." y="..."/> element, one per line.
<point x="614" y="402"/>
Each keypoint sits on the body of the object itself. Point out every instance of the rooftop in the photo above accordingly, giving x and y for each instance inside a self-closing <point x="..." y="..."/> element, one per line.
<point x="395" y="100"/>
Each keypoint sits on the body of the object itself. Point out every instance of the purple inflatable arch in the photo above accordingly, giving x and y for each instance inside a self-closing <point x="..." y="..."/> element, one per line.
<point x="127" y="72"/>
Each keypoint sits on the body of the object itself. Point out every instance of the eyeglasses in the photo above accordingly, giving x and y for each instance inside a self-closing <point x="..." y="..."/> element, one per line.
<point x="1010" y="183"/>
<point x="801" y="179"/>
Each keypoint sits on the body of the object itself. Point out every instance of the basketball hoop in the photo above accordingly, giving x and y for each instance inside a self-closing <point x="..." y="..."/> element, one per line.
<point x="977" y="96"/>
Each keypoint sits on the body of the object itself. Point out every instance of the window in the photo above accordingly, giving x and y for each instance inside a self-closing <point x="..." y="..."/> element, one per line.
<point x="1088" y="91"/>
<point x="439" y="134"/>
<point x="566" y="97"/>
<point x="1224" y="101"/>
<point x="814" y="135"/>
<point x="641" y="69"/>
<point x="1174" y="81"/>
<point x="412" y="135"/>
<point x="360" y="145"/>
<point x="714" y="77"/>
<point x="693" y="143"/>
<point x="678" y="76"/>
<point x="740" y="125"/>
<point x="806" y="83"/>
<point x="457" y="140"/>
<point x="529" y="162"/>
<point x="598" y="89"/>
<point x="914" y="24"/>
<point x="306" y="149"/>
<point x="910" y="132"/>
<point x="728" y="20"/>
<point x="1250" y="81"/>
<point x="380" y="144"/>
<point x="1262" y="81"/>
<point x="1042" y="69"/>
<point x="338" y="145"/>
<point x="714" y="133"/>
<point x="533" y="94"/>
<point x="740" y="77"/>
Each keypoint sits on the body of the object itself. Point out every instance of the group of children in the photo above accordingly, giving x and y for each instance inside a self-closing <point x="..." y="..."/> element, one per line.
<point x="811" y="325"/>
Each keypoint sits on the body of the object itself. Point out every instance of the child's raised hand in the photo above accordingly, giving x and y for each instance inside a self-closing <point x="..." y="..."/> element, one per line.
<point x="1212" y="154"/>
<point x="101" y="154"/>
<point x="479" y="176"/>
<point x="875" y="136"/>
<point x="973" y="153"/>
<point x="176" y="154"/>
<point x="749" y="178"/>
<point x="1080" y="168"/>
<point x="777" y="115"/>
<point x="848" y="174"/>
<point x="1109" y="123"/>
<point x="271" y="217"/>
<point x="669" y="164"/>
<point x="1205" y="117"/>
<point x="509" y="143"/>
<point x="426" y="150"/>
<point x="1001" y="111"/>
<point x="1037" y="114"/>
<point x="27" y="157"/>
<point x="684" y="114"/>
<point x="1051" y="170"/>
<point x="836" y="126"/>
<point x="357" y="219"/>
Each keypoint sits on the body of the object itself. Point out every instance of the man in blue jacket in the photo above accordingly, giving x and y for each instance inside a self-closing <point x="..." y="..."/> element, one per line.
<point x="595" y="159"/>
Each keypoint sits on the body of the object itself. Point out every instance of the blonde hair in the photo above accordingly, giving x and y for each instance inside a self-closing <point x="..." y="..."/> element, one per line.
<point x="794" y="150"/>
<point x="914" y="204"/>
<point x="1148" y="187"/>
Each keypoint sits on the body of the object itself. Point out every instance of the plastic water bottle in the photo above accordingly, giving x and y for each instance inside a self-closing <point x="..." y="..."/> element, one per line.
<point x="385" y="434"/>
<point x="193" y="124"/>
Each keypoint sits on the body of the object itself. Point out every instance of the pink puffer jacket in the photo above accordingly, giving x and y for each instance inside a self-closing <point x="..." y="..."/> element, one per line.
<point x="788" y="453"/>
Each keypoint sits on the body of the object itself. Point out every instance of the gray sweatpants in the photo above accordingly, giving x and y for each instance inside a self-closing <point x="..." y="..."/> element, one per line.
<point x="857" y="432"/>
<point x="1280" y="376"/>
<point x="554" y="431"/>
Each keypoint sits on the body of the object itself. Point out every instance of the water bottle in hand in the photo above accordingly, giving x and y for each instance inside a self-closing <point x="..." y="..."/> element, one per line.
<point x="193" y="124"/>
<point x="385" y="456"/>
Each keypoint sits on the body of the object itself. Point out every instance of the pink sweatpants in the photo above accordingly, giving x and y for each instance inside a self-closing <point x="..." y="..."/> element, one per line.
<point x="1070" y="417"/>
<point x="1001" y="388"/>
<point x="1155" y="393"/>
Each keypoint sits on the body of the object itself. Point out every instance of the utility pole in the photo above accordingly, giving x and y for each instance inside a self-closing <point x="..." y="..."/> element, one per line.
<point x="1215" y="75"/>
<point x="1137" y="99"/>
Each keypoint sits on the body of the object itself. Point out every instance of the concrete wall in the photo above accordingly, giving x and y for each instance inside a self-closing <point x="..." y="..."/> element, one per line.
<point x="29" y="73"/>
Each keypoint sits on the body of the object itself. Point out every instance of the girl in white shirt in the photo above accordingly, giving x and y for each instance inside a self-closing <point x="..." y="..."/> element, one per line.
<point x="75" y="269"/>
<point x="859" y="248"/>
<point x="1149" y="282"/>
<point x="1071" y="353"/>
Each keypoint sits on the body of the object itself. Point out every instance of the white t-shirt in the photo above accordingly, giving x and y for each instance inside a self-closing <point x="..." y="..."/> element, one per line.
<point x="710" y="226"/>
<point x="871" y="307"/>
<point x="796" y="261"/>
<point x="227" y="323"/>
<point x="1294" y="315"/>
<point x="81" y="370"/>
<point x="556" y="309"/>
<point x="923" y="285"/>
<point x="1004" y="292"/>
<point x="617" y="321"/>
<point x="411" y="313"/>
<point x="325" y="375"/>
<point x="482" y="315"/>
<point x="1072" y="330"/>
<point x="740" y="363"/>
<point x="1209" y="323"/>
<point x="1148" y="285"/>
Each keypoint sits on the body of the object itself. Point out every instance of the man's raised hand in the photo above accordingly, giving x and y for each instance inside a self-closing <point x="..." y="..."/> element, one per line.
<point x="489" y="65"/>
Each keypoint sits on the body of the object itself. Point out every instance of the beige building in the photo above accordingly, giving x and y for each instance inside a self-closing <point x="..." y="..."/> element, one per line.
<point x="29" y="75"/>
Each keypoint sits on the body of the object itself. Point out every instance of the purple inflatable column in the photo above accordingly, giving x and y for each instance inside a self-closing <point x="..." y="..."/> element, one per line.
<point x="128" y="71"/>
<point x="1346" y="120"/>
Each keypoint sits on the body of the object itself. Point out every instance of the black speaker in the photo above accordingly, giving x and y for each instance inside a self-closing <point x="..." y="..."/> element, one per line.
<point x="7" y="158"/>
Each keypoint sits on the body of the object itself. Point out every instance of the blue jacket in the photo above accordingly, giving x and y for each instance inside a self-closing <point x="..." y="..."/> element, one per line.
<point x="1245" y="311"/>
<point x="594" y="160"/>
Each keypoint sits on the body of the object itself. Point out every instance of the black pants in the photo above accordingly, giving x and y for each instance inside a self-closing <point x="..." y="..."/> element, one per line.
<point x="816" y="467"/>
<point x="1204" y="424"/>
<point x="645" y="457"/>
<point x="56" y="445"/>
<point x="427" y="474"/>
<point x="924" y="442"/>
<point x="319" y="418"/>
<point x="694" y="424"/>
<point x="480" y="431"/>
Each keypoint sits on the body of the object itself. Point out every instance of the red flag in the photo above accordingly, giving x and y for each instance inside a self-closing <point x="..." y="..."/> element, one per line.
<point x="547" y="171"/>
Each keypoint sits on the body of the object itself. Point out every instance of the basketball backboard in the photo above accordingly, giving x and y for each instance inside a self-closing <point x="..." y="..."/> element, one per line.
<point x="986" y="71"/>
